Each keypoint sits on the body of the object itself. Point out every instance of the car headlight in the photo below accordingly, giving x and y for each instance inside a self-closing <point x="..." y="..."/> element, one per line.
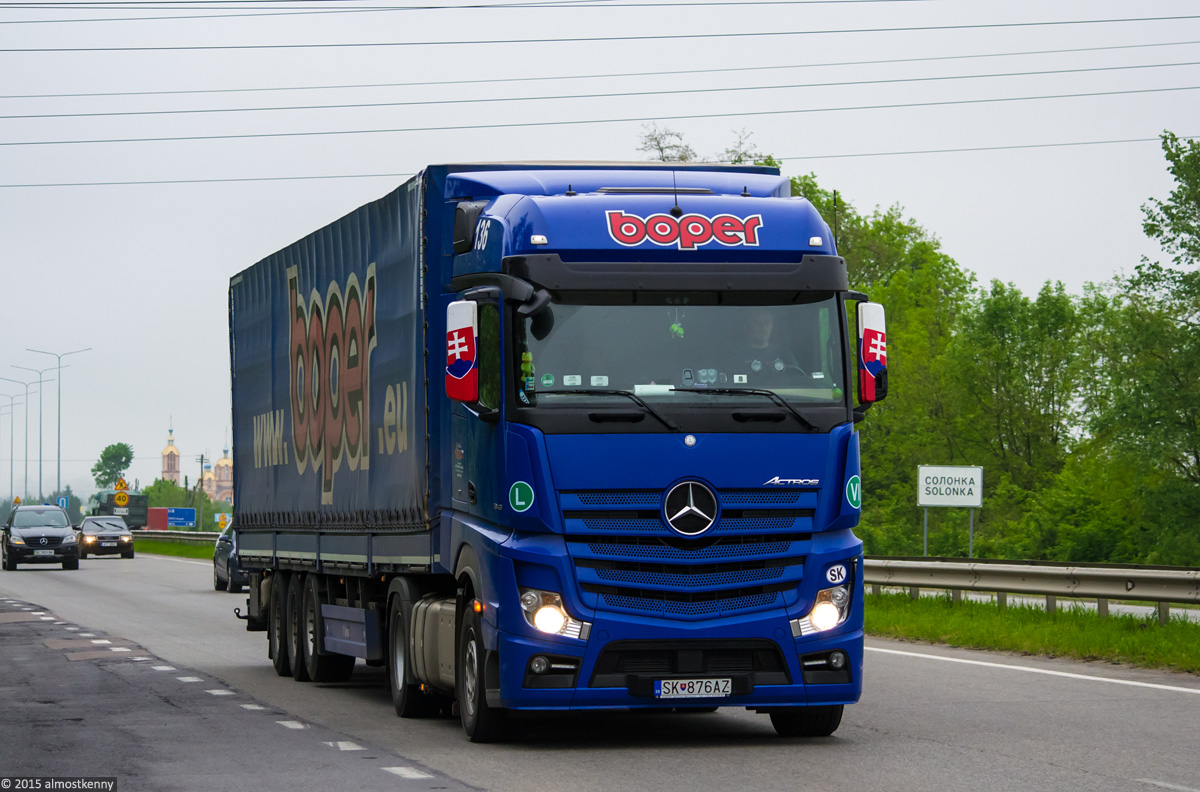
<point x="69" y="539"/>
<point x="545" y="613"/>
<point x="16" y="540"/>
<point x="831" y="609"/>
<point x="89" y="539"/>
<point x="126" y="538"/>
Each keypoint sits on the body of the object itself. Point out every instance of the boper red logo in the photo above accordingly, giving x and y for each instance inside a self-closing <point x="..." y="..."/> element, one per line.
<point x="687" y="233"/>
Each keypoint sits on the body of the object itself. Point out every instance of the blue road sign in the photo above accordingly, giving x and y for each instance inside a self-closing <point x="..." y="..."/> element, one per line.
<point x="181" y="518"/>
<point x="63" y="502"/>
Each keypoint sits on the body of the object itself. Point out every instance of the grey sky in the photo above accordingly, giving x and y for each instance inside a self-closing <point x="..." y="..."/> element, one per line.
<point x="140" y="272"/>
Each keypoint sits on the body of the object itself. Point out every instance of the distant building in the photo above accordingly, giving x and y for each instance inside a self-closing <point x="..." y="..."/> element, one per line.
<point x="170" y="459"/>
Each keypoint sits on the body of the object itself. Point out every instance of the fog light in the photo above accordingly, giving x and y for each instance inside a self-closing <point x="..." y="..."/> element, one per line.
<point x="549" y="619"/>
<point x="837" y="660"/>
<point x="825" y="616"/>
<point x="539" y="664"/>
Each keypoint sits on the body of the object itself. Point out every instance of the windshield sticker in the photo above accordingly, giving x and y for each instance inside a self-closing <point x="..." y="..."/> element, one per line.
<point x="547" y="380"/>
<point x="686" y="233"/>
<point x="529" y="384"/>
<point x="572" y="379"/>
<point x="599" y="382"/>
<point x="739" y="379"/>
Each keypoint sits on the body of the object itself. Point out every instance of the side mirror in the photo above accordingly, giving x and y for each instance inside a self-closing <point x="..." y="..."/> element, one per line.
<point x="462" y="344"/>
<point x="872" y="353"/>
<point x="466" y="215"/>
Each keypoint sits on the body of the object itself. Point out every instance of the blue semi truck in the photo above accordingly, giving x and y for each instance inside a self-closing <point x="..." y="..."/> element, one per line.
<point x="555" y="436"/>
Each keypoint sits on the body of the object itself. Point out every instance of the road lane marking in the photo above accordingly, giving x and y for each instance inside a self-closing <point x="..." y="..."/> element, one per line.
<point x="189" y="679"/>
<point x="164" y="668"/>
<point x="219" y="692"/>
<point x="1165" y="785"/>
<point x="292" y="724"/>
<point x="72" y="629"/>
<point x="407" y="772"/>
<point x="345" y="745"/>
<point x="87" y="635"/>
<point x="101" y="641"/>
<point x="47" y="618"/>
<point x="119" y="649"/>
<point x="255" y="707"/>
<point x="138" y="659"/>
<point x="1047" y="672"/>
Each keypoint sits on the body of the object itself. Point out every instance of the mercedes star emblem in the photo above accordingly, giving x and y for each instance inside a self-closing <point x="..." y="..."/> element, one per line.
<point x="690" y="508"/>
<point x="44" y="540"/>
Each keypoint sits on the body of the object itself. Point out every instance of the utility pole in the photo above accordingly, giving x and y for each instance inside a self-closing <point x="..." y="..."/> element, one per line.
<point x="25" y="485"/>
<point x="41" y="493"/>
<point x="12" y="400"/>
<point x="58" y="434"/>
<point x="199" y="499"/>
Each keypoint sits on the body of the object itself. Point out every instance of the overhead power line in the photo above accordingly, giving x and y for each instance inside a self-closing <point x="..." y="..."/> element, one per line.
<point x="611" y="75"/>
<point x="785" y="159"/>
<point x="598" y="39"/>
<point x="582" y="122"/>
<point x="302" y="10"/>
<point x="611" y="95"/>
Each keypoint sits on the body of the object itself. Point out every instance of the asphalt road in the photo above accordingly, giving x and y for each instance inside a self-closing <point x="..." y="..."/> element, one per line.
<point x="930" y="718"/>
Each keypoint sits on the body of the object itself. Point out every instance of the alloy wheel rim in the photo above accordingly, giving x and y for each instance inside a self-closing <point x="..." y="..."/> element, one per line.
<point x="471" y="675"/>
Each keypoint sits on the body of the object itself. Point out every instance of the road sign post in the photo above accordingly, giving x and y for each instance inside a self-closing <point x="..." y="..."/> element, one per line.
<point x="950" y="486"/>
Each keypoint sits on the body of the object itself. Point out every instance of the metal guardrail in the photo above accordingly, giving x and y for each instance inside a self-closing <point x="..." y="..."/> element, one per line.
<point x="178" y="537"/>
<point x="1161" y="585"/>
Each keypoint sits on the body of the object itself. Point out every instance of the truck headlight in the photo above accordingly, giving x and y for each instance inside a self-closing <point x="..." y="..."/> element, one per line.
<point x="545" y="613"/>
<point x="831" y="609"/>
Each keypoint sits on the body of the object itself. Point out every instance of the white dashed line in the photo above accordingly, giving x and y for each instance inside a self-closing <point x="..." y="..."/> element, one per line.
<point x="407" y="772"/>
<point x="255" y="707"/>
<point x="221" y="692"/>
<point x="72" y="629"/>
<point x="1165" y="785"/>
<point x="101" y="641"/>
<point x="47" y="618"/>
<point x="56" y="624"/>
<point x="292" y="724"/>
<point x="164" y="668"/>
<point x="189" y="679"/>
<point x="138" y="659"/>
<point x="87" y="635"/>
<point x="36" y="613"/>
<point x="345" y="745"/>
<point x="119" y="649"/>
<point x="1046" y="671"/>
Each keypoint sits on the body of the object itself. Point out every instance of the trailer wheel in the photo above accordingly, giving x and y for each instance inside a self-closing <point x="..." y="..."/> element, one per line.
<point x="408" y="699"/>
<point x="320" y="667"/>
<point x="295" y="627"/>
<point x="277" y="625"/>
<point x="807" y="721"/>
<point x="481" y="722"/>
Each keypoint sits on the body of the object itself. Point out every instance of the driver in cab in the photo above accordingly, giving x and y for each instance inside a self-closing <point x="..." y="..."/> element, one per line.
<point x="764" y="355"/>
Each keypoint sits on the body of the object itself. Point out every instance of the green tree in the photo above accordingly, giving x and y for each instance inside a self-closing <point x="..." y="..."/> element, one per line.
<point x="114" y="461"/>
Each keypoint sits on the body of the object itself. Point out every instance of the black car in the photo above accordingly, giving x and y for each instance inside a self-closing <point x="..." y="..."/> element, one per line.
<point x="227" y="570"/>
<point x="104" y="535"/>
<point x="39" y="535"/>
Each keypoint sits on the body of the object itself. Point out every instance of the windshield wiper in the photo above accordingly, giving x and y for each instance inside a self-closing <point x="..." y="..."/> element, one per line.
<point x="617" y="392"/>
<point x="770" y="394"/>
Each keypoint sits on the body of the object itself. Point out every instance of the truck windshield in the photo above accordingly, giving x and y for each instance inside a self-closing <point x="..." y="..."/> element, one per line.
<point x="664" y="349"/>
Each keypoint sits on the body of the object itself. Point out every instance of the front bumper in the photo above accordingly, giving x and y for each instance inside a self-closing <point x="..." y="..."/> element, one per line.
<point x="678" y="652"/>
<point x="99" y="548"/>
<point x="25" y="554"/>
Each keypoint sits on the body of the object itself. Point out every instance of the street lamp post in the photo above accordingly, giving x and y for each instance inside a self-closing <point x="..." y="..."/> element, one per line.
<point x="11" y="410"/>
<point x="58" y="457"/>
<point x="40" y="381"/>
<point x="25" y="486"/>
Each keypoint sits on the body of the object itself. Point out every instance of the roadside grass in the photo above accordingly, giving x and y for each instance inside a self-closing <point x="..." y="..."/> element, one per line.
<point x="159" y="547"/>
<point x="1071" y="632"/>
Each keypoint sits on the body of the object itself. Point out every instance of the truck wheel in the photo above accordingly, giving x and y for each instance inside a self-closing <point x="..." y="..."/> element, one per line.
<point x="277" y="625"/>
<point x="218" y="584"/>
<point x="806" y="721"/>
<point x="481" y="722"/>
<point x="320" y="667"/>
<point x="295" y="628"/>
<point x="409" y="700"/>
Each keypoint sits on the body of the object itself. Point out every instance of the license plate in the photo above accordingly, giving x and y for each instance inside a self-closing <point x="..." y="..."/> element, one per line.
<point x="43" y="552"/>
<point x="691" y="688"/>
<point x="108" y="544"/>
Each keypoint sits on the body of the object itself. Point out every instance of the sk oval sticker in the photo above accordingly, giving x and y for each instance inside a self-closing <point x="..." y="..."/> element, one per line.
<point x="854" y="492"/>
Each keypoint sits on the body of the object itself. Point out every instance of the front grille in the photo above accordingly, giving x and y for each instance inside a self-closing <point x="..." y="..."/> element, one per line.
<point x="758" y="659"/>
<point x="36" y="542"/>
<point x="628" y="559"/>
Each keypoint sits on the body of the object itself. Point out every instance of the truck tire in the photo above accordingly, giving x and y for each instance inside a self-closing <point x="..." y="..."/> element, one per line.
<point x="277" y="625"/>
<point x="481" y="722"/>
<point x="408" y="699"/>
<point x="806" y="721"/>
<point x="320" y="667"/>
<point x="295" y="637"/>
